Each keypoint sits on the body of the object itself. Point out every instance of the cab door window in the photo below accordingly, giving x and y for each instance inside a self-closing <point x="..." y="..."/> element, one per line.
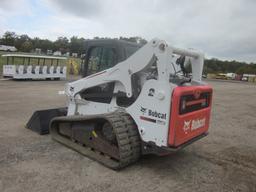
<point x="100" y="58"/>
<point x="107" y="58"/>
<point x="94" y="60"/>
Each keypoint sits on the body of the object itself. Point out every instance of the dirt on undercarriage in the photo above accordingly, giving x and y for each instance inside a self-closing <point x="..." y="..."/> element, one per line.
<point x="225" y="160"/>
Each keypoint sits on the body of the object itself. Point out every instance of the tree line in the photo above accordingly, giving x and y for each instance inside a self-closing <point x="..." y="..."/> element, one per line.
<point x="218" y="66"/>
<point x="75" y="44"/>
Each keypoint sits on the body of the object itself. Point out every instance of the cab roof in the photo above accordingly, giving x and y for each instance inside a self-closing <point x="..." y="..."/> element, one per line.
<point x="114" y="42"/>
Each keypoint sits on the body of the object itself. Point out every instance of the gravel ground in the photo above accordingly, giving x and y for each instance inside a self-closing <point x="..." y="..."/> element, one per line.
<point x="225" y="160"/>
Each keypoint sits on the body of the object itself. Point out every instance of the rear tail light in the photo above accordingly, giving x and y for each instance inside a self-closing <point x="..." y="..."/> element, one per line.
<point x="189" y="103"/>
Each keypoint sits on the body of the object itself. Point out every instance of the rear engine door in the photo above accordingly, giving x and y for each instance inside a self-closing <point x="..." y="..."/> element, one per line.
<point x="190" y="113"/>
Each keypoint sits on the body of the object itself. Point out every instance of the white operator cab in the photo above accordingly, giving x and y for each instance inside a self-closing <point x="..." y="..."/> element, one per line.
<point x="21" y="66"/>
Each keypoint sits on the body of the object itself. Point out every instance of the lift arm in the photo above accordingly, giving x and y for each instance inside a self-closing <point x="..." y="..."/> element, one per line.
<point x="155" y="50"/>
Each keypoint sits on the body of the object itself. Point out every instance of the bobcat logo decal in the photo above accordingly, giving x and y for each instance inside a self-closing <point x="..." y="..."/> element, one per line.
<point x="186" y="126"/>
<point x="143" y="110"/>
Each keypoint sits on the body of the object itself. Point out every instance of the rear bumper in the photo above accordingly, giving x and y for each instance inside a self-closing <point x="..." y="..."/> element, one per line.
<point x="152" y="148"/>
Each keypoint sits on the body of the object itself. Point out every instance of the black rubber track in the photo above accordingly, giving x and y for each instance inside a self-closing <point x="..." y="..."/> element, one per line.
<point x="127" y="136"/>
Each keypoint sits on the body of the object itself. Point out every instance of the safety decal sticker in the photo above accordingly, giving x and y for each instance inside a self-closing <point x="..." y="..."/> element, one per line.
<point x="160" y="122"/>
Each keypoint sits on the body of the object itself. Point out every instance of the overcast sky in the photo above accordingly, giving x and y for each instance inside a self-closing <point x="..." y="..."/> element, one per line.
<point x="224" y="29"/>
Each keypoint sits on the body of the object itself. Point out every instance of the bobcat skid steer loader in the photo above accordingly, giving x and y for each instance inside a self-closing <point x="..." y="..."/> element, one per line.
<point x="131" y="101"/>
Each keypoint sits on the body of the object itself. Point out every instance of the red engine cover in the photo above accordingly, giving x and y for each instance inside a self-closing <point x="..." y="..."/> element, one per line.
<point x="185" y="126"/>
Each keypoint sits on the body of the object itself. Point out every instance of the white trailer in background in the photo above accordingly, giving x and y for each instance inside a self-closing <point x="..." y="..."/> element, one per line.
<point x="231" y="76"/>
<point x="7" y="48"/>
<point x="20" y="66"/>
